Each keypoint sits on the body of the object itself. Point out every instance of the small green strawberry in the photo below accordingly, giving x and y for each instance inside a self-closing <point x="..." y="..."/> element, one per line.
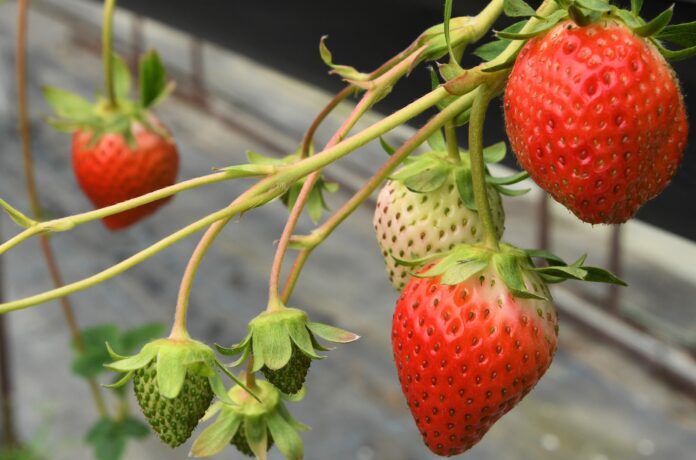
<point x="251" y="425"/>
<point x="283" y="346"/>
<point x="428" y="207"/>
<point x="174" y="382"/>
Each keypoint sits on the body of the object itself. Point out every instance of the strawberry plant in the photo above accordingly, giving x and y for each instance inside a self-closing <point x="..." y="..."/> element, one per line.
<point x="594" y="115"/>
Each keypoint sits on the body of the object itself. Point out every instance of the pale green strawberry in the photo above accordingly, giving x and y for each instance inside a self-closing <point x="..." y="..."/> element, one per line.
<point x="428" y="207"/>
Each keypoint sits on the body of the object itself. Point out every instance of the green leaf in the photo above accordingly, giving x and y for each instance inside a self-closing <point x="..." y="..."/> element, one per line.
<point x="517" y="8"/>
<point x="153" y="79"/>
<point x="90" y="363"/>
<point x="542" y="26"/>
<point x="428" y="180"/>
<point x="636" y="6"/>
<point x="492" y="50"/>
<point x="331" y="333"/>
<point x="437" y="141"/>
<point x="656" y="25"/>
<point x="495" y="153"/>
<point x="628" y="18"/>
<point x="258" y="159"/>
<point x="122" y="78"/>
<point x="463" y="271"/>
<point x="509" y="270"/>
<point x="134" y="428"/>
<point x="218" y="388"/>
<point x="107" y="441"/>
<point x="121" y="382"/>
<point x="247" y="170"/>
<point x="566" y="272"/>
<point x="465" y="187"/>
<point x="216" y="437"/>
<point x="344" y="71"/>
<point x="315" y="203"/>
<point x="595" y="5"/>
<point x="135" y="338"/>
<point x="171" y="372"/>
<point x="66" y="104"/>
<point x="285" y="436"/>
<point x="287" y="416"/>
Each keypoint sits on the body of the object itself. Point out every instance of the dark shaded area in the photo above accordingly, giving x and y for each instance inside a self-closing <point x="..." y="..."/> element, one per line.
<point x="364" y="33"/>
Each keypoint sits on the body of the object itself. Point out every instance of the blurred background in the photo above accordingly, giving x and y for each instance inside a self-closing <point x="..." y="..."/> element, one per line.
<point x="249" y="77"/>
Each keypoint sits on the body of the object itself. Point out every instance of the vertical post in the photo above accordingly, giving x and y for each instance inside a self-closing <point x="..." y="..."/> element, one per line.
<point x="8" y="436"/>
<point x="137" y="42"/>
<point x="199" y="95"/>
<point x="615" y="266"/>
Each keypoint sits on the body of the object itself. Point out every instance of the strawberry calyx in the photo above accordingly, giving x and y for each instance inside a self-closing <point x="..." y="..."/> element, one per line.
<point x="74" y="113"/>
<point x="173" y="359"/>
<point x="585" y="12"/>
<point x="285" y="337"/>
<point x="429" y="171"/>
<point x="316" y="204"/>
<point x="466" y="261"/>
<point x="251" y="425"/>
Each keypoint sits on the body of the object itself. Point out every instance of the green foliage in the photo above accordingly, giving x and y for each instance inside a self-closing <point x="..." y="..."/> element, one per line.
<point x="90" y="363"/>
<point x="517" y="8"/>
<point x="109" y="437"/>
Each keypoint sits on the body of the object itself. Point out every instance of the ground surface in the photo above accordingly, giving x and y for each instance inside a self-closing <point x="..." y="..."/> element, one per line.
<point x="596" y="402"/>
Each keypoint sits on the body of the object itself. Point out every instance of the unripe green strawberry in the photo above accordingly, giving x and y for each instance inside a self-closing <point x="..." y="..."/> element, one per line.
<point x="173" y="419"/>
<point x="412" y="225"/>
<point x="290" y="378"/>
<point x="242" y="444"/>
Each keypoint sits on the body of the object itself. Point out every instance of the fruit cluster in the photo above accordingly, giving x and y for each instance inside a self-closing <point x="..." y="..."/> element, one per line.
<point x="595" y="117"/>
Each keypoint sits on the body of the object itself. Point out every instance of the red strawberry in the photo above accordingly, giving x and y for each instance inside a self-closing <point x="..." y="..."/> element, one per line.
<point x="110" y="172"/>
<point x="595" y="115"/>
<point x="468" y="353"/>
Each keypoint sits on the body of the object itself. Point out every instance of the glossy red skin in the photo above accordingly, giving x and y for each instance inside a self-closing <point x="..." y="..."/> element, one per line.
<point x="595" y="115"/>
<point x="467" y="354"/>
<point x="110" y="172"/>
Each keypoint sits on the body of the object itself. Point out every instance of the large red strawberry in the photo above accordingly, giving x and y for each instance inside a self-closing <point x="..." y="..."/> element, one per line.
<point x="596" y="117"/>
<point x="110" y="171"/>
<point x="119" y="149"/>
<point x="473" y="334"/>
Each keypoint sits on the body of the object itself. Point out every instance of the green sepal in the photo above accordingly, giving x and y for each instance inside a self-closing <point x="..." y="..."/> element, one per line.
<point x="636" y="6"/>
<point x="257" y="435"/>
<point x="629" y="18"/>
<point x="512" y="192"/>
<point x="171" y="372"/>
<point x="492" y="50"/>
<point x="297" y="397"/>
<point x="300" y="335"/>
<point x="247" y="170"/>
<point x="509" y="180"/>
<point x="428" y="180"/>
<point x="517" y="8"/>
<point x="680" y="34"/>
<point x="510" y="271"/>
<point x="287" y="416"/>
<point x="656" y="25"/>
<point x="17" y="217"/>
<point x="332" y="333"/>
<point x="136" y="362"/>
<point x="272" y="347"/>
<point x="235" y="349"/>
<point x="112" y="353"/>
<point x="542" y="26"/>
<point x="436" y="141"/>
<point x="217" y="436"/>
<point x="120" y="382"/>
<point x="600" y="6"/>
<point x="346" y="72"/>
<point x="675" y="55"/>
<point x="462" y="271"/>
<point x="219" y="388"/>
<point x="153" y="80"/>
<point x="68" y="105"/>
<point x="285" y="437"/>
<point x="464" y="182"/>
<point x="386" y="147"/>
<point x="549" y="257"/>
<point x="495" y="153"/>
<point x="122" y="78"/>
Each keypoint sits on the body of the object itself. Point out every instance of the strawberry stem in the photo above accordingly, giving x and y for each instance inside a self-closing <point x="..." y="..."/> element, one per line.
<point x="484" y="94"/>
<point x="107" y="52"/>
<point x="452" y="144"/>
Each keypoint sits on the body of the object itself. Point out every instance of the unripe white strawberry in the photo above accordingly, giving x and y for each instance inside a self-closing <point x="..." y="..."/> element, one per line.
<point x="411" y="225"/>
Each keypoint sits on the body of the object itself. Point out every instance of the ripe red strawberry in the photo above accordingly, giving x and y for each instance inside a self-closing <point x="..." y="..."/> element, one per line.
<point x="110" y="171"/>
<point x="468" y="353"/>
<point x="596" y="117"/>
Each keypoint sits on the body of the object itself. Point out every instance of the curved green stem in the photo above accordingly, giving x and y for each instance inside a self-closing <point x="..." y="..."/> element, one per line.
<point x="478" y="167"/>
<point x="69" y="222"/>
<point x="308" y="243"/>
<point x="262" y="192"/>
<point x="107" y="52"/>
<point x="452" y="144"/>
